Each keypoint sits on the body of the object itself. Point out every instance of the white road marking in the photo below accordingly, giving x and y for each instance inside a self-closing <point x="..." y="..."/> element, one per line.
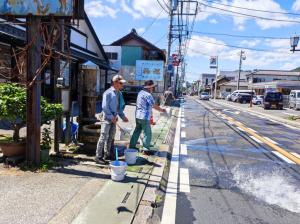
<point x="230" y="122"/>
<point x="252" y="130"/>
<point x="183" y="149"/>
<point x="290" y="126"/>
<point x="183" y="125"/>
<point x="240" y="129"/>
<point x="295" y="154"/>
<point x="169" y="211"/>
<point x="182" y="120"/>
<point x="283" y="157"/>
<point x="184" y="180"/>
<point x="183" y="134"/>
<point x="255" y="139"/>
<point x="270" y="140"/>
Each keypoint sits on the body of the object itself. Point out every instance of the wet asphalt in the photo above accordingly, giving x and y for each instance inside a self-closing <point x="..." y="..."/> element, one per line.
<point x="232" y="178"/>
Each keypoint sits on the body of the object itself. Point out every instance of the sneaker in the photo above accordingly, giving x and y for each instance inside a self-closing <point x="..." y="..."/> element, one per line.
<point x="100" y="161"/>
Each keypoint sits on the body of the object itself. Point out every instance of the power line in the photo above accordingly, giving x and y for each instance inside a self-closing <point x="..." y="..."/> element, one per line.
<point x="243" y="36"/>
<point x="253" y="16"/>
<point x="153" y="21"/>
<point x="163" y="8"/>
<point x="160" y="39"/>
<point x="251" y="9"/>
<point x="237" y="47"/>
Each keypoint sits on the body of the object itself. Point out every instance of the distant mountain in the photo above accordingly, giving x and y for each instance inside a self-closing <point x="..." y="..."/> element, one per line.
<point x="296" y="70"/>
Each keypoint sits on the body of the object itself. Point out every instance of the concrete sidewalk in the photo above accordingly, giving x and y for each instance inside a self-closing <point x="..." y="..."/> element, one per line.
<point x="82" y="192"/>
<point x="281" y="116"/>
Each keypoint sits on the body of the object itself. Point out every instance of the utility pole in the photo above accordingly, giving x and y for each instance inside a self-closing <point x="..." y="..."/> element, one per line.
<point x="33" y="105"/>
<point x="216" y="79"/>
<point x="167" y="75"/>
<point x="242" y="57"/>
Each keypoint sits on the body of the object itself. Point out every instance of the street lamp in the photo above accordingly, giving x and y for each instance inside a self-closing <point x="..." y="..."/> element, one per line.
<point x="294" y="43"/>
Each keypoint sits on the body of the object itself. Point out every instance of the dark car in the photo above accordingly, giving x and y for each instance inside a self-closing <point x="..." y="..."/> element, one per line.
<point x="273" y="100"/>
<point x="244" y="98"/>
<point x="130" y="93"/>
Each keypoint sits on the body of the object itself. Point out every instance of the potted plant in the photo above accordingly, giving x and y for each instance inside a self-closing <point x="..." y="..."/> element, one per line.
<point x="13" y="110"/>
<point x="46" y="144"/>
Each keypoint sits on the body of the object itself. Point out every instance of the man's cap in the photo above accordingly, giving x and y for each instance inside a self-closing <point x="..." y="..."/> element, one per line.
<point x="118" y="78"/>
<point x="149" y="84"/>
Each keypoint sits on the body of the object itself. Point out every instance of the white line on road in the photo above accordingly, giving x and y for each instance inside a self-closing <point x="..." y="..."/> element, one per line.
<point x="252" y="130"/>
<point x="270" y="140"/>
<point x="283" y="157"/>
<point x="184" y="183"/>
<point x="182" y="120"/>
<point x="240" y="129"/>
<point x="255" y="139"/>
<point x="183" y="125"/>
<point x="295" y="154"/>
<point x="183" y="149"/>
<point x="169" y="211"/>
<point x="183" y="134"/>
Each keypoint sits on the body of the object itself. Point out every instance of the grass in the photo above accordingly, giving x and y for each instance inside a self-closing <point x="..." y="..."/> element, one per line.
<point x="42" y="168"/>
<point x="293" y="118"/>
<point x="5" y="139"/>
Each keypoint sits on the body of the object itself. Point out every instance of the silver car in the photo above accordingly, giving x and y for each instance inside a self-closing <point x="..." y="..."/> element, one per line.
<point x="204" y="96"/>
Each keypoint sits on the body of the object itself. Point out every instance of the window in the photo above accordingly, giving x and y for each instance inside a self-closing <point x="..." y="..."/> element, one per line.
<point x="112" y="55"/>
<point x="228" y="90"/>
<point x="206" y="82"/>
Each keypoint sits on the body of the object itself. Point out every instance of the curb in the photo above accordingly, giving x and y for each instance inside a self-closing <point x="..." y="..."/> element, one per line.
<point x="148" y="202"/>
<point x="270" y="117"/>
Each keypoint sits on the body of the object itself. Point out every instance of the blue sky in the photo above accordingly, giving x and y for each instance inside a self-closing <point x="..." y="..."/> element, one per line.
<point x="113" y="19"/>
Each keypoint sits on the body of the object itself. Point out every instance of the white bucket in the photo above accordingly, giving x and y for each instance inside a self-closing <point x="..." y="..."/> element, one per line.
<point x="130" y="156"/>
<point x="117" y="170"/>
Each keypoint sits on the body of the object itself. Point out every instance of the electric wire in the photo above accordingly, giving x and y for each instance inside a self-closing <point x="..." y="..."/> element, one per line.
<point x="163" y="8"/>
<point x="251" y="9"/>
<point x="242" y="36"/>
<point x="253" y="16"/>
<point x="152" y="22"/>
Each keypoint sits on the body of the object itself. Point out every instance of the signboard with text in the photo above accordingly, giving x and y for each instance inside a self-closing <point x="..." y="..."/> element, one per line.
<point x="146" y="70"/>
<point x="213" y="62"/>
<point x="22" y="8"/>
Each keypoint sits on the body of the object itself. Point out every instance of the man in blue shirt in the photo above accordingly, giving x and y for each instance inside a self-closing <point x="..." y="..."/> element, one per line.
<point x="144" y="104"/>
<point x="112" y="107"/>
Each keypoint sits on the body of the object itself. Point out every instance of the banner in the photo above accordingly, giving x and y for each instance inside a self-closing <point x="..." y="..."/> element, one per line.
<point x="37" y="7"/>
<point x="213" y="62"/>
<point x="146" y="70"/>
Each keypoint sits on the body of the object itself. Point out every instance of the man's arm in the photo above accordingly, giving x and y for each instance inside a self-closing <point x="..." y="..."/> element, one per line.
<point x="158" y="108"/>
<point x="105" y="106"/>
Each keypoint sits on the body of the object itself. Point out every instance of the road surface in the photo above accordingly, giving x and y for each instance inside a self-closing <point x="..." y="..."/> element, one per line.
<point x="231" y="167"/>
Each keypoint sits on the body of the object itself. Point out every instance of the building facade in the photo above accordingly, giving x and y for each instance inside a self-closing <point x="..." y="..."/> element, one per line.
<point x="124" y="53"/>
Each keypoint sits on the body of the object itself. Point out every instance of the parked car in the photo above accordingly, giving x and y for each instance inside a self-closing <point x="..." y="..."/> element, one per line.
<point x="204" y="96"/>
<point x="294" y="99"/>
<point x="130" y="93"/>
<point x="257" y="100"/>
<point x="273" y="100"/>
<point x="243" y="98"/>
<point x="228" y="97"/>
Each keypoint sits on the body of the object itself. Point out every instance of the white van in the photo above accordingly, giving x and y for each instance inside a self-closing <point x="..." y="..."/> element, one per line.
<point x="294" y="99"/>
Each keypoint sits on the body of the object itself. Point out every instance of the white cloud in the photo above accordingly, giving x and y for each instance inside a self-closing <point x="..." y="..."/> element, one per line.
<point x="250" y="43"/>
<point x="205" y="46"/>
<point x="98" y="9"/>
<point x="127" y="8"/>
<point x="285" y="43"/>
<point x="296" y="5"/>
<point x="213" y="21"/>
<point x="140" y="30"/>
<point x="265" y="5"/>
<point x="278" y="57"/>
<point x="148" y="8"/>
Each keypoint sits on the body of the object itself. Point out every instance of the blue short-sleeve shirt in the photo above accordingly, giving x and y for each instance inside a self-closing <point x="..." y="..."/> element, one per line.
<point x="144" y="104"/>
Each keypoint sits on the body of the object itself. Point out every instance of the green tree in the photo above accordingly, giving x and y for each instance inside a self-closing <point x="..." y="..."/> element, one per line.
<point x="13" y="108"/>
